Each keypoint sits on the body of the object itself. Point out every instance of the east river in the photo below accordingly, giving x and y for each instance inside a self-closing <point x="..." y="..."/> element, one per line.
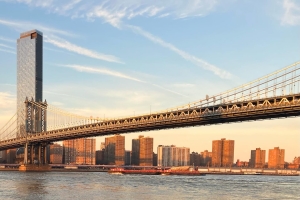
<point x="101" y="185"/>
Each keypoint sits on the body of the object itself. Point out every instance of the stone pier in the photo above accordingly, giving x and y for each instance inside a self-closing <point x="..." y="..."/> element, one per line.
<point x="34" y="168"/>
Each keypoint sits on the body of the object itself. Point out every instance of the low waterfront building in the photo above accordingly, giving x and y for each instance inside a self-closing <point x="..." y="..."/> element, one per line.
<point x="241" y="163"/>
<point x="296" y="160"/>
<point x="169" y="156"/>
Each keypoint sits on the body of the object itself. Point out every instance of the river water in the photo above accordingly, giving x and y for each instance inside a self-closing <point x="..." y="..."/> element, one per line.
<point x="101" y="185"/>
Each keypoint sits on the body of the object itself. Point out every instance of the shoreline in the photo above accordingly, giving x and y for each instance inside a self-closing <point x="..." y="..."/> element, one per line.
<point x="141" y="173"/>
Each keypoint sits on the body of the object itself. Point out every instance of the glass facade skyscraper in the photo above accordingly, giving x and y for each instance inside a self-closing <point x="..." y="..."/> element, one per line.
<point x="29" y="73"/>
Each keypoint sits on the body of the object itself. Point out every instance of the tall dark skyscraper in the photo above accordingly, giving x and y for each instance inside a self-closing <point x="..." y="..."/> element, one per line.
<point x="29" y="73"/>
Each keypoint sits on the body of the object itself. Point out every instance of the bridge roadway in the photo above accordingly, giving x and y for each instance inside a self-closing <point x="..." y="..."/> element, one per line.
<point x="268" y="108"/>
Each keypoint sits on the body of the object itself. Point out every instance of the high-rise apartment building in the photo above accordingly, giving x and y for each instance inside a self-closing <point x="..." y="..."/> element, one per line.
<point x="154" y="159"/>
<point x="11" y="156"/>
<point x="142" y="151"/>
<point x="127" y="157"/>
<point x="80" y="151"/>
<point x="100" y="157"/>
<point x="222" y="152"/>
<point x="29" y="74"/>
<point x="86" y="150"/>
<point x="146" y="151"/>
<point x="205" y="158"/>
<point x="168" y="156"/>
<point x="115" y="150"/>
<point x="195" y="159"/>
<point x="135" y="152"/>
<point x="258" y="158"/>
<point x="56" y="154"/>
<point x="69" y="156"/>
<point x="276" y="158"/>
<point x="3" y="156"/>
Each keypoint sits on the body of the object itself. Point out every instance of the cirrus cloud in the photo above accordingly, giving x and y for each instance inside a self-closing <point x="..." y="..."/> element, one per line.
<point x="291" y="12"/>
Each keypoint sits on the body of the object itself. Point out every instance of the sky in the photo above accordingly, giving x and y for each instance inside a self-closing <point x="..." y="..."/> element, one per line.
<point x="128" y="57"/>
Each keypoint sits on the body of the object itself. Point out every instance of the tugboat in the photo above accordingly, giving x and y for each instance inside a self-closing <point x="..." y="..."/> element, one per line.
<point x="184" y="171"/>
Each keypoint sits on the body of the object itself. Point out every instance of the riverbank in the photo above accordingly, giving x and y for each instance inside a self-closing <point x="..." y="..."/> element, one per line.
<point x="266" y="172"/>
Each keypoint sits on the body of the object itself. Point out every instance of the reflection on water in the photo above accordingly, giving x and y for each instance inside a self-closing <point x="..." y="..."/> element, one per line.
<point x="31" y="186"/>
<point x="97" y="185"/>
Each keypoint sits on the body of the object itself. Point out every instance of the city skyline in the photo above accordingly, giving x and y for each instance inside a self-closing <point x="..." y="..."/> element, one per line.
<point x="188" y="63"/>
<point x="142" y="152"/>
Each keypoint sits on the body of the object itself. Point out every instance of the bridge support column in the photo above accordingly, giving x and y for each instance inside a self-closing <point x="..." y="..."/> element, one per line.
<point x="25" y="153"/>
<point x="38" y="152"/>
<point x="45" y="154"/>
<point x="31" y="154"/>
<point x="35" y="154"/>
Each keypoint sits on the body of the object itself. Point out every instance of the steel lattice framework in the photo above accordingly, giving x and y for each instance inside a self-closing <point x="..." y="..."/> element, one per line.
<point x="273" y="96"/>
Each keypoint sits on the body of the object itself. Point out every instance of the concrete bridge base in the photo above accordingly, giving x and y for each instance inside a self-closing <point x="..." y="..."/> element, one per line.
<point x="34" y="168"/>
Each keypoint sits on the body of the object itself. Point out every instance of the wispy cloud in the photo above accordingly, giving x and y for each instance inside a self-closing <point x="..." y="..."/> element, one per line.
<point x="55" y="103"/>
<point x="118" y="10"/>
<point x="168" y="90"/>
<point x="197" y="61"/>
<point x="64" y="44"/>
<point x="55" y="50"/>
<point x="60" y="94"/>
<point x="7" y="39"/>
<point x="25" y="26"/>
<point x="50" y="36"/>
<point x="291" y="12"/>
<point x="7" y="51"/>
<point x="7" y="101"/>
<point x="6" y="46"/>
<point x="183" y="85"/>
<point x="70" y="5"/>
<point x="115" y="15"/>
<point x="104" y="71"/>
<point x="88" y="69"/>
<point x="7" y="84"/>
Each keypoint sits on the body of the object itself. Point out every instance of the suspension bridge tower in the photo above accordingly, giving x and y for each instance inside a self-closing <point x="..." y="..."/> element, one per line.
<point x="30" y="117"/>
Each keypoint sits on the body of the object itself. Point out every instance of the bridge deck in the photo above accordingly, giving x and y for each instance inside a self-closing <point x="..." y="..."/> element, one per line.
<point x="269" y="108"/>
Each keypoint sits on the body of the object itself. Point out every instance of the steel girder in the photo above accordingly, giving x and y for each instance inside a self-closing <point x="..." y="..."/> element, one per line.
<point x="279" y="107"/>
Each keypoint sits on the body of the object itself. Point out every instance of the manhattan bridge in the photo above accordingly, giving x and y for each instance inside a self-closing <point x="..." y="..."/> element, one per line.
<point x="276" y="95"/>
